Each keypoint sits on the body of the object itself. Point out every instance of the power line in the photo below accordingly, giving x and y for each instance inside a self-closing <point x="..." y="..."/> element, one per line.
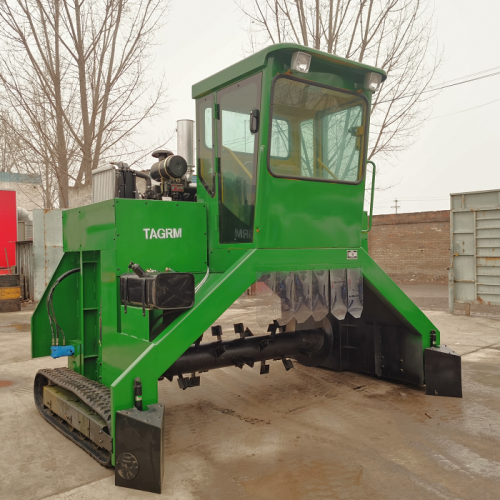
<point x="441" y="88"/>
<point x="464" y="110"/>
<point x="384" y="203"/>
<point x="423" y="199"/>
<point x="466" y="76"/>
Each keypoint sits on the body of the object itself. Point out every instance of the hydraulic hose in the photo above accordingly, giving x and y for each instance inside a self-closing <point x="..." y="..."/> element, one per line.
<point x="54" y="327"/>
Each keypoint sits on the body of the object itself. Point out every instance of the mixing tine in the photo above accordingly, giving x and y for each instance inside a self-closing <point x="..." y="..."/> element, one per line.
<point x="239" y="328"/>
<point x="246" y="333"/>
<point x="217" y="332"/>
<point x="250" y="362"/>
<point x="194" y="381"/>
<point x="183" y="382"/>
<point x="239" y="362"/>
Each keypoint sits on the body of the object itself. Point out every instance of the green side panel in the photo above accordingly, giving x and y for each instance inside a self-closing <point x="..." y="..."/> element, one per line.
<point x="187" y="253"/>
<point x="134" y="323"/>
<point x="222" y="258"/>
<point x="292" y="213"/>
<point x="302" y="214"/>
<point x="91" y="313"/>
<point x="89" y="228"/>
<point x="119" y="352"/>
<point x="109" y="304"/>
<point x="396" y="300"/>
<point x="364" y="236"/>
<point x="66" y="306"/>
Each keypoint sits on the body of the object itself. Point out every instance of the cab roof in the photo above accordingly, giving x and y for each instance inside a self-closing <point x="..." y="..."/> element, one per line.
<point x="258" y="61"/>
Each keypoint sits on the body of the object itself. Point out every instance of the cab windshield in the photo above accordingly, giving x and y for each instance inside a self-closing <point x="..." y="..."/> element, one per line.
<point x="316" y="132"/>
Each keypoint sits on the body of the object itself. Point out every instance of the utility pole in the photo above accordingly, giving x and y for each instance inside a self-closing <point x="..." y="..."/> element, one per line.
<point x="396" y="206"/>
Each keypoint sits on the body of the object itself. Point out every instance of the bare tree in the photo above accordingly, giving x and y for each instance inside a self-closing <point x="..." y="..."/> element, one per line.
<point x="76" y="76"/>
<point x="16" y="156"/>
<point x="8" y="146"/>
<point x="394" y="35"/>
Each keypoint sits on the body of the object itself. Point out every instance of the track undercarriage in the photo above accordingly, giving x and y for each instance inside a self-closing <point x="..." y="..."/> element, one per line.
<point x="78" y="408"/>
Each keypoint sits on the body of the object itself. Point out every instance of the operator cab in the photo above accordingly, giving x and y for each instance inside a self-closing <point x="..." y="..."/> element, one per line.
<point x="289" y="137"/>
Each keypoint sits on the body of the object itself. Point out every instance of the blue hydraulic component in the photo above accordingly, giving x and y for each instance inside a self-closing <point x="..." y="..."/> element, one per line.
<point x="58" y="351"/>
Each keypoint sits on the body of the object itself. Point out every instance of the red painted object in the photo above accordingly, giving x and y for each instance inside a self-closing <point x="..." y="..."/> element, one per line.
<point x="8" y="230"/>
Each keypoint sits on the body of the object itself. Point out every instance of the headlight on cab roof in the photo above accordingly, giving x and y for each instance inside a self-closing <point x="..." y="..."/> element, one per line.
<point x="372" y="81"/>
<point x="301" y="62"/>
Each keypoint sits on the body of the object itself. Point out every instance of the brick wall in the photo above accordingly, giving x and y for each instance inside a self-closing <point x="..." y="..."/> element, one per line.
<point x="412" y="247"/>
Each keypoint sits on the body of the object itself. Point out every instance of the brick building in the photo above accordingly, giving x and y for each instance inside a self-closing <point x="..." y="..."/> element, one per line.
<point x="412" y="247"/>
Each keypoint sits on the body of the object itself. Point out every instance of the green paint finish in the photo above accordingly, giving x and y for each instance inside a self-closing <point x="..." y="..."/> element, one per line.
<point x="134" y="323"/>
<point x="66" y="306"/>
<point x="88" y="302"/>
<point x="298" y="224"/>
<point x="364" y="235"/>
<point x="91" y="314"/>
<point x="114" y="224"/>
<point x="259" y="61"/>
<point x="120" y="351"/>
<point x="220" y="258"/>
<point x="178" y="240"/>
<point x="89" y="228"/>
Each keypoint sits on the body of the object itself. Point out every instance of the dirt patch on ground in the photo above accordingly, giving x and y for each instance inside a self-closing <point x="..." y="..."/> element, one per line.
<point x="232" y="413"/>
<point x="20" y="327"/>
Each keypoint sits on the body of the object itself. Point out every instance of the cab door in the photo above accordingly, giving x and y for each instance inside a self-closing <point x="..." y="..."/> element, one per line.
<point x="237" y="148"/>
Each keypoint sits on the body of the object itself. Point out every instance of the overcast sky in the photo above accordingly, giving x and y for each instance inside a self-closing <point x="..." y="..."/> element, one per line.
<point x="453" y="153"/>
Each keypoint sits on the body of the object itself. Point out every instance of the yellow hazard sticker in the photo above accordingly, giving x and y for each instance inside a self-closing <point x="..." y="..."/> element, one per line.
<point x="10" y="293"/>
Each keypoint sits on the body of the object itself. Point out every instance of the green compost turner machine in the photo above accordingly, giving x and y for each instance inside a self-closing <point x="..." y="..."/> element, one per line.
<point x="281" y="155"/>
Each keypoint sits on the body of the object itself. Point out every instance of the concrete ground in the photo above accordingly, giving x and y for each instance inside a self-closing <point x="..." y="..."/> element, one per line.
<point x="434" y="297"/>
<point x="302" y="434"/>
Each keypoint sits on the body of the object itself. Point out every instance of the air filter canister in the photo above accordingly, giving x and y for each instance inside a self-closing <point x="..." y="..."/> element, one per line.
<point x="173" y="167"/>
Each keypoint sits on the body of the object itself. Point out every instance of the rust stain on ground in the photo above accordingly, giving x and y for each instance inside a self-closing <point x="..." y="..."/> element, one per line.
<point x="21" y="327"/>
<point x="309" y="481"/>
<point x="5" y="383"/>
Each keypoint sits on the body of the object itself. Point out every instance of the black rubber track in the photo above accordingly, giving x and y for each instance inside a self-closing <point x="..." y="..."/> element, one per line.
<point x="93" y="394"/>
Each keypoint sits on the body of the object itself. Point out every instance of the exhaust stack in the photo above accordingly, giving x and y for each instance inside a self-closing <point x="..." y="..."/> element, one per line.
<point x="185" y="144"/>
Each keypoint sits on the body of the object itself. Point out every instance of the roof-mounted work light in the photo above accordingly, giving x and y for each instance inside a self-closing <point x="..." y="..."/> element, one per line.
<point x="301" y="62"/>
<point x="372" y="81"/>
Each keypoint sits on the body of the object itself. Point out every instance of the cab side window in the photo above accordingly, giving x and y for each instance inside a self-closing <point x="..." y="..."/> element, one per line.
<point x="238" y="160"/>
<point x="206" y="142"/>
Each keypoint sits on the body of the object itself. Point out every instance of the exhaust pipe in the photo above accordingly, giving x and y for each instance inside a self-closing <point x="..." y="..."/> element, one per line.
<point x="185" y="144"/>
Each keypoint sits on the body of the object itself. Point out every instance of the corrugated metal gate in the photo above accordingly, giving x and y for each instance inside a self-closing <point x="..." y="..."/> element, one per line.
<point x="47" y="247"/>
<point x="24" y="267"/>
<point x="475" y="248"/>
